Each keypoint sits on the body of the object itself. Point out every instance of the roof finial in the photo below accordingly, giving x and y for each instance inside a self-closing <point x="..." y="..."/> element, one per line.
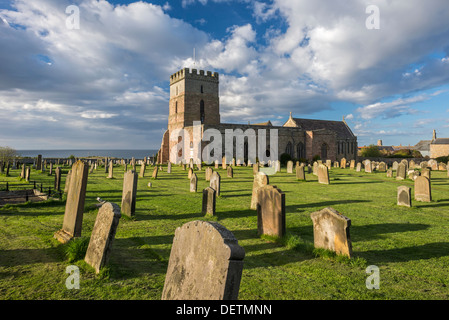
<point x="434" y="136"/>
<point x="290" y="114"/>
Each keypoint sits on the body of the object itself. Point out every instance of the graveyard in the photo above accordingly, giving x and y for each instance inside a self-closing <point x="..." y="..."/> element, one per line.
<point x="409" y="244"/>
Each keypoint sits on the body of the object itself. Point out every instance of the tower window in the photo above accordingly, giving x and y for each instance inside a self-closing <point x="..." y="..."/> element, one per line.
<point x="202" y="111"/>
<point x="176" y="107"/>
<point x="202" y="89"/>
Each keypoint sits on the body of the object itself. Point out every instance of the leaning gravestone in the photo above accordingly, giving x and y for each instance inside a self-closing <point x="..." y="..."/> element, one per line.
<point x="67" y="182"/>
<point x="215" y="181"/>
<point x="271" y="211"/>
<point x="193" y="182"/>
<point x="74" y="209"/>
<point x="331" y="231"/>
<point x="103" y="234"/>
<point x="209" y="199"/>
<point x="205" y="263"/>
<point x="260" y="180"/>
<point x="129" y="193"/>
<point x="401" y="171"/>
<point x="323" y="174"/>
<point x="404" y="196"/>
<point x="422" y="189"/>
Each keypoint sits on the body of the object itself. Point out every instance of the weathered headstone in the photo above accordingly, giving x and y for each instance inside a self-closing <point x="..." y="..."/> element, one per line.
<point x="289" y="166"/>
<point x="315" y="168"/>
<point x="390" y="173"/>
<point x="142" y="170"/>
<point x="103" y="234"/>
<point x="260" y="180"/>
<point x="331" y="231"/>
<point x="323" y="174"/>
<point x="368" y="166"/>
<point x="129" y="193"/>
<point x="230" y="172"/>
<point x="400" y="172"/>
<point x="343" y="163"/>
<point x="190" y="173"/>
<point x="271" y="211"/>
<point x="155" y="171"/>
<point x="205" y="263"/>
<point x="300" y="174"/>
<point x="67" y="182"/>
<point x="27" y="174"/>
<point x="111" y="170"/>
<point x="215" y="181"/>
<point x="193" y="182"/>
<point x="395" y="166"/>
<point x="426" y="172"/>
<point x="74" y="209"/>
<point x="422" y="189"/>
<point x="255" y="168"/>
<point x="358" y="167"/>
<point x="352" y="165"/>
<point x="208" y="173"/>
<point x="39" y="162"/>
<point x="209" y="199"/>
<point x="58" y="178"/>
<point x="329" y="164"/>
<point x="404" y="196"/>
<point x="169" y="167"/>
<point x="382" y="167"/>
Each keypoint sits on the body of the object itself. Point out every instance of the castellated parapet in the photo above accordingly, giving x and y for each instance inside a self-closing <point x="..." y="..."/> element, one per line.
<point x="186" y="73"/>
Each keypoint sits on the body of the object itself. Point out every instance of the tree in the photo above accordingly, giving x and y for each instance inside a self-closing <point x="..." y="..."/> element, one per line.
<point x="7" y="154"/>
<point x="370" y="151"/>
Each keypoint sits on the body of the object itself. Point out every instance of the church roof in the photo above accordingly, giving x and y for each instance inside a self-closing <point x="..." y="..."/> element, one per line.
<point x="423" y="145"/>
<point x="339" y="127"/>
<point x="268" y="123"/>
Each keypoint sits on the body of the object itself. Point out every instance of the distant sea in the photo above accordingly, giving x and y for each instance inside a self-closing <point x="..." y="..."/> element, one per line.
<point x="125" y="154"/>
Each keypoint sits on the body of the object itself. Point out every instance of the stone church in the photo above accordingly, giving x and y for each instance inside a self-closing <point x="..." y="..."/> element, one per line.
<point x="194" y="97"/>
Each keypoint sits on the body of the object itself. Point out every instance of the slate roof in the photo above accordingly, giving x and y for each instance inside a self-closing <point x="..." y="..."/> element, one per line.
<point x="423" y="145"/>
<point x="440" y="141"/>
<point x="339" y="127"/>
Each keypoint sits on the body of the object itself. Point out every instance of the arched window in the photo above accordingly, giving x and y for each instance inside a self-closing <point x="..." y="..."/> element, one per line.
<point x="300" y="150"/>
<point x="323" y="151"/>
<point x="202" y="111"/>
<point x="289" y="149"/>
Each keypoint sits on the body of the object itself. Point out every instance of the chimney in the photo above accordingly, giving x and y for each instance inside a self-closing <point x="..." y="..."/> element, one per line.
<point x="379" y="143"/>
<point x="434" y="136"/>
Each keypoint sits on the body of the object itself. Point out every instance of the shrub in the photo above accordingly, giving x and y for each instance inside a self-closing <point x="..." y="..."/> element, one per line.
<point x="285" y="157"/>
<point x="370" y="151"/>
<point x="76" y="249"/>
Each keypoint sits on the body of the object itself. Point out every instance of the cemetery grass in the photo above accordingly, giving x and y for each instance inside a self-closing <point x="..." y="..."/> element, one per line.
<point x="409" y="245"/>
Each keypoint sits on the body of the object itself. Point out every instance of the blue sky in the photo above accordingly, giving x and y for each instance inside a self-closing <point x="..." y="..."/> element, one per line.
<point x="105" y="84"/>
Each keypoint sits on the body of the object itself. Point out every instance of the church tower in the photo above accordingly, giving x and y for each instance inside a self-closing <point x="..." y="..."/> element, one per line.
<point x="193" y="97"/>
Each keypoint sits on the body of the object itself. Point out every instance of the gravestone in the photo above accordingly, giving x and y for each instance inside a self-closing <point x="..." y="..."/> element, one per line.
<point x="426" y="172"/>
<point x="67" y="182"/>
<point x="300" y="174"/>
<point x="27" y="174"/>
<point x="74" y="209"/>
<point x="169" y="167"/>
<point x="395" y="166"/>
<point x="205" y="263"/>
<point x="208" y="173"/>
<point x="255" y="168"/>
<point x="323" y="174"/>
<point x="193" y="182"/>
<point x="382" y="167"/>
<point x="155" y="171"/>
<point x="289" y="166"/>
<point x="215" y="181"/>
<point x="390" y="173"/>
<point x="329" y="164"/>
<point x="422" y="189"/>
<point x="189" y="175"/>
<point x="58" y="178"/>
<point x="216" y="164"/>
<point x="39" y="162"/>
<point x="111" y="170"/>
<point x="103" y="234"/>
<point x="230" y="172"/>
<point x="404" y="196"/>
<point x="401" y="171"/>
<point x="50" y="172"/>
<point x="368" y="166"/>
<point x="129" y="193"/>
<point x="271" y="211"/>
<point x="331" y="231"/>
<point x="260" y="180"/>
<point x="142" y="170"/>
<point x="343" y="163"/>
<point x="22" y="174"/>
<point x="358" y="167"/>
<point x="209" y="199"/>
<point x="223" y="163"/>
<point x="352" y="165"/>
<point x="315" y="168"/>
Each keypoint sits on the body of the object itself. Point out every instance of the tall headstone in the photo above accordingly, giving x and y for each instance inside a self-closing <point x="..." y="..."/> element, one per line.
<point x="215" y="181"/>
<point x="27" y="174"/>
<point x="155" y="171"/>
<point x="368" y="166"/>
<point x="142" y="170"/>
<point x="74" y="209"/>
<point x="422" y="189"/>
<point x="352" y="165"/>
<point x="323" y="174"/>
<point x="358" y="168"/>
<point x="129" y="193"/>
<point x="58" y="179"/>
<point x="103" y="234"/>
<point x="111" y="170"/>
<point x="404" y="196"/>
<point x="289" y="166"/>
<point x="190" y="173"/>
<point x="255" y="168"/>
<point x="260" y="180"/>
<point x="193" y="183"/>
<point x="67" y="182"/>
<point x="169" y="167"/>
<point x="401" y="171"/>
<point x="271" y="211"/>
<point x="230" y="172"/>
<point x="39" y="162"/>
<point x="315" y="168"/>
<point x="205" y="263"/>
<point x="343" y="163"/>
<point x="209" y="199"/>
<point x="208" y="173"/>
<point x="331" y="231"/>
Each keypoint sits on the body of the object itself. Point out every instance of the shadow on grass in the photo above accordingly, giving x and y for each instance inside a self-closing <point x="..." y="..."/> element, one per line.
<point x="324" y="204"/>
<point x="374" y="231"/>
<point x="425" y="251"/>
<point x="17" y="257"/>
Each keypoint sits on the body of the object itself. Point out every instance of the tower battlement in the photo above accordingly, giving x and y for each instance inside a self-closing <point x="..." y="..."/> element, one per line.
<point x="193" y="74"/>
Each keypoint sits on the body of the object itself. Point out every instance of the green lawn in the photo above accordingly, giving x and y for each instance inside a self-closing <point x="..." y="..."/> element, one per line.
<point x="409" y="245"/>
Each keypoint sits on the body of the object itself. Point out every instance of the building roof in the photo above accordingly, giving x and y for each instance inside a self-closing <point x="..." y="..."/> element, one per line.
<point x="339" y="127"/>
<point x="423" y="145"/>
<point x="440" y="141"/>
<point x="268" y="123"/>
